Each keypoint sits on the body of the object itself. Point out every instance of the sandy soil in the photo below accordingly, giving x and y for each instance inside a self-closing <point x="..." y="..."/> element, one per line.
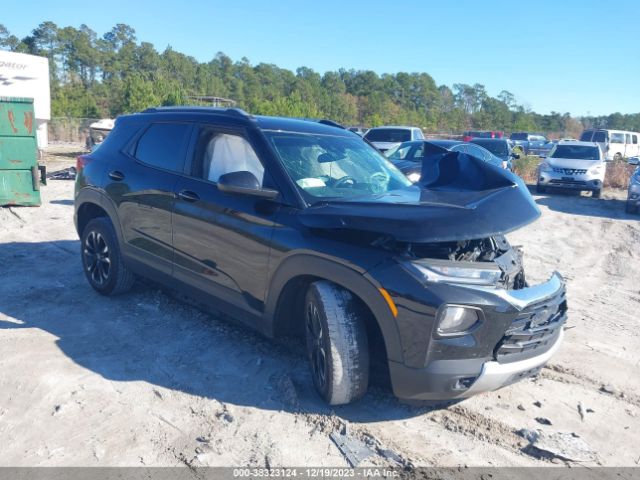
<point x="144" y="379"/>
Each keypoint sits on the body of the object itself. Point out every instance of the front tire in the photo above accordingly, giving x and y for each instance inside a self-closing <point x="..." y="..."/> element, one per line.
<point x="631" y="207"/>
<point x="101" y="259"/>
<point x="540" y="189"/>
<point x="337" y="346"/>
<point x="596" y="193"/>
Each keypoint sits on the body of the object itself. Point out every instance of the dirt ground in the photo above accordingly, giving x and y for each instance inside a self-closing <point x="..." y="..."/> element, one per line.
<point x="144" y="379"/>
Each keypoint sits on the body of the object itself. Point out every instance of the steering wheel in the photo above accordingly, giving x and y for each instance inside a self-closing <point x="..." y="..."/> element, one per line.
<point x="344" y="181"/>
<point x="379" y="182"/>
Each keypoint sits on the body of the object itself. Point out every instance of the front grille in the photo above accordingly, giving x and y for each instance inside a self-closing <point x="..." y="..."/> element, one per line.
<point x="534" y="330"/>
<point x="576" y="183"/>
<point x="570" y="171"/>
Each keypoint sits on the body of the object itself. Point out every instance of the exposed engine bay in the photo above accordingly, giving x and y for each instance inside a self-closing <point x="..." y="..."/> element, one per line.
<point x="492" y="249"/>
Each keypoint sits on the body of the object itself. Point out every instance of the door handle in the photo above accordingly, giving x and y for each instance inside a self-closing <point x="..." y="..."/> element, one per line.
<point x="116" y="175"/>
<point x="188" y="196"/>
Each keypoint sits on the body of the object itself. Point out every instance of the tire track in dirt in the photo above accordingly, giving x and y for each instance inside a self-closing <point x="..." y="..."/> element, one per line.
<point x="561" y="374"/>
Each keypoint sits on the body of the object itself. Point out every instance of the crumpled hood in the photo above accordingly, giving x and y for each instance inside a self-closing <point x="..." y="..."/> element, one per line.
<point x="464" y="199"/>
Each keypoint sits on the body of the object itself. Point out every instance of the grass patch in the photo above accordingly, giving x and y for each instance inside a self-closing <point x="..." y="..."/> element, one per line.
<point x="527" y="168"/>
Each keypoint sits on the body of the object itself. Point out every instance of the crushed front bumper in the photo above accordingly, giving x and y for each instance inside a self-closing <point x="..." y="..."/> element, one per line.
<point x="533" y="337"/>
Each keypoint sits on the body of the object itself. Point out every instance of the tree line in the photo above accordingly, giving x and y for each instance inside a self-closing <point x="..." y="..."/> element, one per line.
<point x="104" y="76"/>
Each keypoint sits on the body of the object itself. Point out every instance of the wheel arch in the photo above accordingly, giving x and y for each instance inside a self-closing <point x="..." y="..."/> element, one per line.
<point x="289" y="283"/>
<point x="92" y="204"/>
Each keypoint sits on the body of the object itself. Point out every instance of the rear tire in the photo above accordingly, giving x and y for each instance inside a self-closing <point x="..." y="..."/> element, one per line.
<point x="101" y="259"/>
<point x="337" y="346"/>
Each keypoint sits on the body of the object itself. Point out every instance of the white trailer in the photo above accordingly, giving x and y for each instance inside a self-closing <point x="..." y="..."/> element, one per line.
<point x="27" y="76"/>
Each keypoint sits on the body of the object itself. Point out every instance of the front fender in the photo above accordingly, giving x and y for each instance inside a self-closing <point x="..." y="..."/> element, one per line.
<point x="307" y="264"/>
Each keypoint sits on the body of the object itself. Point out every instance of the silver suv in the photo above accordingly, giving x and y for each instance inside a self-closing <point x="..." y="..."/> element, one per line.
<point x="386" y="138"/>
<point x="575" y="166"/>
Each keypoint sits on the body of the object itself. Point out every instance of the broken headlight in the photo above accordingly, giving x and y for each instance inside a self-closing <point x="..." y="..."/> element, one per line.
<point x="468" y="273"/>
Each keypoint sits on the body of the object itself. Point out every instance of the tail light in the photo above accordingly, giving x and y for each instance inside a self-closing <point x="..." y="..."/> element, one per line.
<point x="81" y="162"/>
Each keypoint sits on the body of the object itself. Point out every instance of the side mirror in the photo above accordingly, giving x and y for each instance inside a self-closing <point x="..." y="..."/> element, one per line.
<point x="244" y="183"/>
<point x="634" y="161"/>
<point x="515" y="155"/>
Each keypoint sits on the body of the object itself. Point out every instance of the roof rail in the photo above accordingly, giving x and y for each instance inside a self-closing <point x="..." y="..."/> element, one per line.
<point x="331" y="123"/>
<point x="238" y="112"/>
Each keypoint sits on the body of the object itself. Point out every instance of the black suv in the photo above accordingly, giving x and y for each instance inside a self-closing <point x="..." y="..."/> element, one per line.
<point x="300" y="228"/>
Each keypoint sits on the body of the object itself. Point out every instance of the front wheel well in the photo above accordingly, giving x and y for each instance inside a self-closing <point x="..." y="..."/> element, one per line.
<point x="289" y="322"/>
<point x="87" y="212"/>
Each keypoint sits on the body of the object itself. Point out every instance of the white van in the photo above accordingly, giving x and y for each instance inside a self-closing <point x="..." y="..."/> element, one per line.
<point x="616" y="144"/>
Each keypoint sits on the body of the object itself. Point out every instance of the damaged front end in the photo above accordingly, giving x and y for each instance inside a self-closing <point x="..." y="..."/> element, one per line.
<point x="490" y="262"/>
<point x="467" y="319"/>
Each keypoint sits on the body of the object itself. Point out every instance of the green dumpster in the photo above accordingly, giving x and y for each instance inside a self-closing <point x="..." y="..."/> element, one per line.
<point x="20" y="175"/>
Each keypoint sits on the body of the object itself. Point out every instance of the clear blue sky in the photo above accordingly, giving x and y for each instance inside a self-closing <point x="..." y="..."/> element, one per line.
<point x="581" y="57"/>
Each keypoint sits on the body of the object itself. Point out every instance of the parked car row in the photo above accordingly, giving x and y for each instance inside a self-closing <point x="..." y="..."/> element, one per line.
<point x="408" y="157"/>
<point x="566" y="164"/>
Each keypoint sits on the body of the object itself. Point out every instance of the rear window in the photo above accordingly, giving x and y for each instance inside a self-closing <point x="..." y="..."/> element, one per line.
<point x="600" y="137"/>
<point x="388" y="135"/>
<point x="591" y="136"/>
<point x="163" y="145"/>
<point x="578" y="152"/>
<point x="586" y="136"/>
<point x="498" y="148"/>
<point x="519" y="136"/>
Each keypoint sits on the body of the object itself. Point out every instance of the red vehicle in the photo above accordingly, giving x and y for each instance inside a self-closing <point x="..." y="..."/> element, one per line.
<point x="468" y="135"/>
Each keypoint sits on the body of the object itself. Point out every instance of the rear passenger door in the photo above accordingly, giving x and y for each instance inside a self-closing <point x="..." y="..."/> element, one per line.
<point x="222" y="240"/>
<point x="142" y="184"/>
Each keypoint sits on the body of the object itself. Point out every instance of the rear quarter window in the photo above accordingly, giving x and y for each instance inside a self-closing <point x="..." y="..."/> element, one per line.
<point x="164" y="145"/>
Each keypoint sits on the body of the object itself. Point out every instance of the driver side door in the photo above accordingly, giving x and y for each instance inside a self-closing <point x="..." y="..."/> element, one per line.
<point x="222" y="240"/>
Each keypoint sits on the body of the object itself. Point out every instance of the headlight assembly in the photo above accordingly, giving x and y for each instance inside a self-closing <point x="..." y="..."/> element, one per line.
<point x="455" y="320"/>
<point x="414" y="177"/>
<point x="469" y="273"/>
<point x="545" y="167"/>
<point x="596" y="169"/>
